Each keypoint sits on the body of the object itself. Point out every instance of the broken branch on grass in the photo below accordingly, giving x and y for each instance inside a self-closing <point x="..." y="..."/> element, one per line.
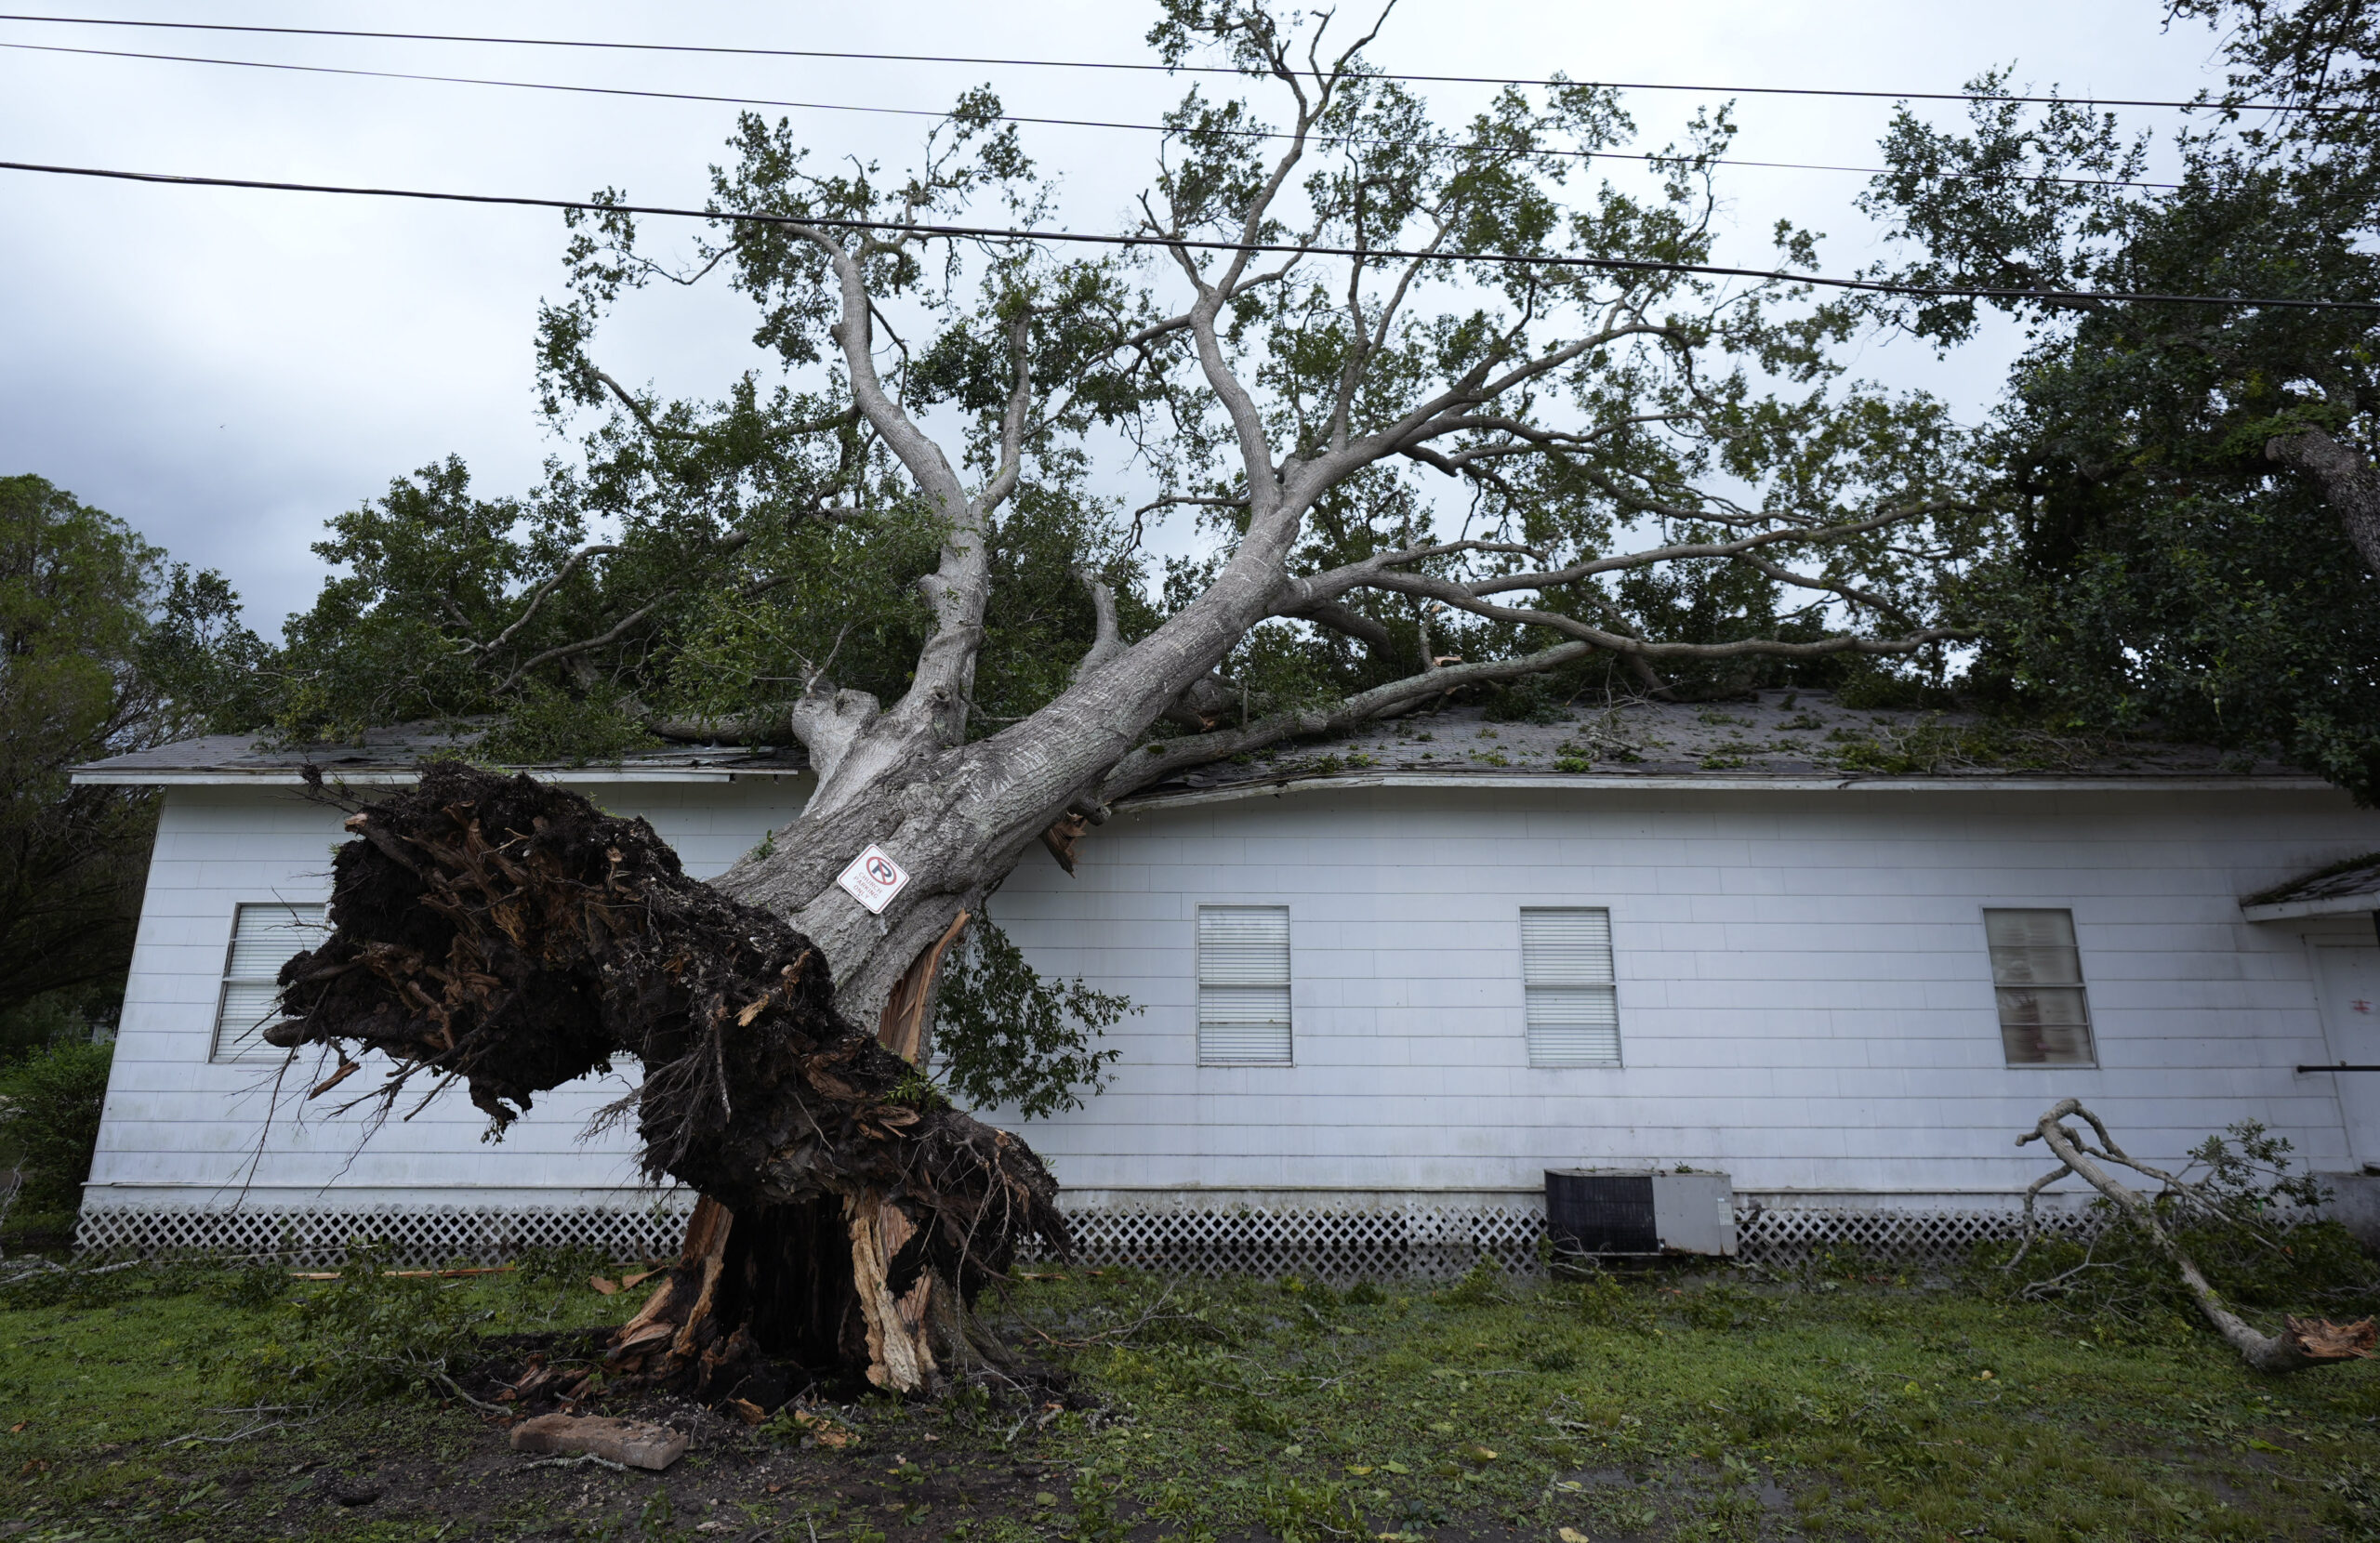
<point x="1124" y="1330"/>
<point x="2302" y="1343"/>
<point x="411" y="1275"/>
<point x="258" y="1429"/>
<point x="456" y="1388"/>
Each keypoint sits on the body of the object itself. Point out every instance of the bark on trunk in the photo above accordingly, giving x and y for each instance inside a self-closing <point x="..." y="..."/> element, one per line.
<point x="2348" y="482"/>
<point x="504" y="933"/>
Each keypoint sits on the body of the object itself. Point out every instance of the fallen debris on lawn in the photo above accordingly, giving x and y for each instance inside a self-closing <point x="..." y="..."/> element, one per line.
<point x="2302" y="1343"/>
<point x="631" y="1444"/>
<point x="409" y="1274"/>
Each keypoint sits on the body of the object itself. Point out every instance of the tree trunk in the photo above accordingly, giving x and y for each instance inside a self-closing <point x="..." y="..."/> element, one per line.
<point x="2347" y="482"/>
<point x="504" y="932"/>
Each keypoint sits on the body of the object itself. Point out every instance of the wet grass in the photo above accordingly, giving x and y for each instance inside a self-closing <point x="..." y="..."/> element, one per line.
<point x="1719" y="1409"/>
<point x="1722" y="1407"/>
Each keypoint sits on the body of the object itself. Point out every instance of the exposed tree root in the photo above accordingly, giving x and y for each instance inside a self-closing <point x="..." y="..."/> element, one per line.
<point x="2302" y="1343"/>
<point x="506" y="933"/>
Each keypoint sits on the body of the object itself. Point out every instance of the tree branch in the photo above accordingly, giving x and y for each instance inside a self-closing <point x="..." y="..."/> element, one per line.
<point x="1107" y="640"/>
<point x="637" y="410"/>
<point x="2344" y="479"/>
<point x="1153" y="762"/>
<point x="567" y="650"/>
<point x="1460" y="599"/>
<point x="538" y="598"/>
<point x="1346" y="619"/>
<point x="2302" y="1343"/>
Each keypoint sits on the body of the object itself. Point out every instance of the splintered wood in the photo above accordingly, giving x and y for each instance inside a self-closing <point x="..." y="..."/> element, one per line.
<point x="630" y="1444"/>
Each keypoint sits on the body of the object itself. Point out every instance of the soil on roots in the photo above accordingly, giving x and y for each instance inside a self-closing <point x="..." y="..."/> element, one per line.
<point x="506" y="933"/>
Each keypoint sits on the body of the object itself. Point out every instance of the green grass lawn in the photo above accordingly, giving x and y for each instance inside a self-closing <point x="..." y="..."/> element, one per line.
<point x="1726" y="1406"/>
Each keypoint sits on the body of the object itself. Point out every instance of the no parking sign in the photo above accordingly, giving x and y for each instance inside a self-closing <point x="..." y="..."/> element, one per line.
<point x="873" y="879"/>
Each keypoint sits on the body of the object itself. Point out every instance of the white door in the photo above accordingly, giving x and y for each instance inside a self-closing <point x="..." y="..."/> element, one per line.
<point x="2351" y="981"/>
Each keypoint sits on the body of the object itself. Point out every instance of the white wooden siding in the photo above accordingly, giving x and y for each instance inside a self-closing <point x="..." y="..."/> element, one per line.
<point x="1803" y="981"/>
<point x="1802" y="976"/>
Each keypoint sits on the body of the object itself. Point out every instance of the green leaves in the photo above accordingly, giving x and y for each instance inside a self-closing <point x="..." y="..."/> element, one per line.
<point x="103" y="649"/>
<point x="2160" y="571"/>
<point x="52" y="1107"/>
<point x="1006" y="1035"/>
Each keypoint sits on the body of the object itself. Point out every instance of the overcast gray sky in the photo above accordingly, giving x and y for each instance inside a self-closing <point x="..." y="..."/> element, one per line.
<point x="225" y="370"/>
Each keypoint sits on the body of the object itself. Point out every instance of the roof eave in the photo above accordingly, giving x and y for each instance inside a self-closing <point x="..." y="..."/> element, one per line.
<point x="1660" y="784"/>
<point x="2326" y="905"/>
<point x="401" y="777"/>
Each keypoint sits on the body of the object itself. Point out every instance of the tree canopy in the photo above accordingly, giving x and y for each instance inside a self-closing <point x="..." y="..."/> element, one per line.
<point x="104" y="648"/>
<point x="1519" y="453"/>
<point x="1377" y="406"/>
<point x="2194" y="535"/>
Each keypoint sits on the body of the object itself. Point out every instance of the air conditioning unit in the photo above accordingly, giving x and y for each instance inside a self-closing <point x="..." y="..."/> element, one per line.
<point x="1638" y="1211"/>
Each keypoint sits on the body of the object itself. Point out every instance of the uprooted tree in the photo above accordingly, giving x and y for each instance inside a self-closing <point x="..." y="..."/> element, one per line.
<point x="506" y="933"/>
<point x="1323" y="323"/>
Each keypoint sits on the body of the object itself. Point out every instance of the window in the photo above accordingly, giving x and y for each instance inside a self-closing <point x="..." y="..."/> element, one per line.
<point x="2037" y="973"/>
<point x="1573" y="1009"/>
<point x="263" y="937"/>
<point x="1244" y="985"/>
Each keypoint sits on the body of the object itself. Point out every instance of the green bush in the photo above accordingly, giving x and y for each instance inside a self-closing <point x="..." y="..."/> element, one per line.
<point x="37" y="1022"/>
<point x="49" y="1122"/>
<point x="1604" y="1302"/>
<point x="1483" y="1286"/>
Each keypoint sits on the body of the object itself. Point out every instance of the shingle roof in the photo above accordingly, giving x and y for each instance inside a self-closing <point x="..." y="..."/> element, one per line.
<point x="391" y="755"/>
<point x="2342" y="888"/>
<point x="1769" y="737"/>
<point x="1766" y="738"/>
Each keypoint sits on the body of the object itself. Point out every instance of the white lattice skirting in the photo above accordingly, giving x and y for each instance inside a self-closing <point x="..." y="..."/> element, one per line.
<point x="1792" y="1235"/>
<point x="1426" y="1242"/>
<point x="317" y="1239"/>
<point x="1444" y="1243"/>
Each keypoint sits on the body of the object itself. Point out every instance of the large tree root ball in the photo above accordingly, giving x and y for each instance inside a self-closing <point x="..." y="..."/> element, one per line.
<point x="506" y="933"/>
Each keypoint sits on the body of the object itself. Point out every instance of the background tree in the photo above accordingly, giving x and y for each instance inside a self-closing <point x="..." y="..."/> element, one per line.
<point x="1330" y="323"/>
<point x="2196" y="545"/>
<point x="102" y="643"/>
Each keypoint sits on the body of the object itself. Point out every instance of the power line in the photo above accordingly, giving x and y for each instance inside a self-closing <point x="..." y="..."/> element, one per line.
<point x="1137" y="65"/>
<point x="1007" y="118"/>
<point x="996" y="233"/>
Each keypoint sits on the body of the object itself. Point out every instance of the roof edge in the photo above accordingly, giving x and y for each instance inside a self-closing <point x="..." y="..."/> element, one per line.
<point x="2327" y="905"/>
<point x="94" y="776"/>
<point x="1659" y="783"/>
<point x="394" y="777"/>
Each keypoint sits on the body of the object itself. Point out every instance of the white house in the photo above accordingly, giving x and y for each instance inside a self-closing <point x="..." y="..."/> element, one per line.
<point x="1385" y="984"/>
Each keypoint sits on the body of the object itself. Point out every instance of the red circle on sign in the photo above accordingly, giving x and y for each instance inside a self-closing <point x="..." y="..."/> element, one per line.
<point x="880" y="870"/>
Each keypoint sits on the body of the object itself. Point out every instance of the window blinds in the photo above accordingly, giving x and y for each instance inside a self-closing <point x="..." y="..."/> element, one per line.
<point x="2037" y="975"/>
<point x="1244" y="985"/>
<point x="263" y="937"/>
<point x="1573" y="1005"/>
